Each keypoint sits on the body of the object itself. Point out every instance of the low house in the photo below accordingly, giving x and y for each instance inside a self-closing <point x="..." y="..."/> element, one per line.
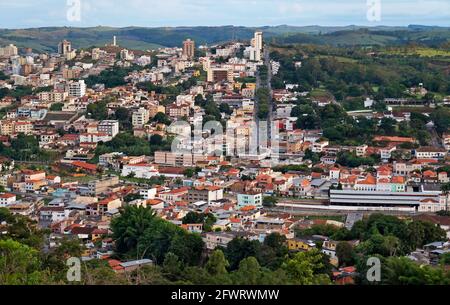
<point x="297" y="244"/>
<point x="7" y="199"/>
<point x="217" y="239"/>
<point x="121" y="267"/>
<point x="193" y="228"/>
<point x="345" y="276"/>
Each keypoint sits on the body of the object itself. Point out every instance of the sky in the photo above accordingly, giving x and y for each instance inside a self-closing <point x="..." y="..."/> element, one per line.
<point x="162" y="13"/>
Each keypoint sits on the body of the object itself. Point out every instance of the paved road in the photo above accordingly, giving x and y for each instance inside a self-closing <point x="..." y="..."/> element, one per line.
<point x="259" y="85"/>
<point x="269" y="86"/>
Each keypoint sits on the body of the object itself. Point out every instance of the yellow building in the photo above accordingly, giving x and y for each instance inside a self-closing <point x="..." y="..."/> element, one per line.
<point x="247" y="85"/>
<point x="300" y="244"/>
<point x="6" y="127"/>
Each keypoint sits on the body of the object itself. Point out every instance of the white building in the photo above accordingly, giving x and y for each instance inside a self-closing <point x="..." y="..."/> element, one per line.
<point x="425" y="201"/>
<point x="7" y="199"/>
<point x="77" y="88"/>
<point x="140" y="117"/>
<point x="430" y="153"/>
<point x="148" y="193"/>
<point x="94" y="137"/>
<point x="250" y="199"/>
<point x="110" y="127"/>
<point x="319" y="146"/>
<point x="145" y="171"/>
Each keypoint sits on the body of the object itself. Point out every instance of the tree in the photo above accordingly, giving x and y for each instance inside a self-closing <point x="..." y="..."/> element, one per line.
<point x="225" y="108"/>
<point x="269" y="202"/>
<point x="162" y="118"/>
<point x="20" y="265"/>
<point x="189" y="172"/>
<point x="273" y="251"/>
<point x="56" y="107"/>
<point x="130" y="226"/>
<point x="172" y="267"/>
<point x="98" y="110"/>
<point x="156" y="140"/>
<point x="55" y="259"/>
<point x="441" y="119"/>
<point x="383" y="245"/>
<point x="345" y="254"/>
<point x="193" y="218"/>
<point x="208" y="220"/>
<point x="402" y="271"/>
<point x="240" y="248"/>
<point x="304" y="268"/>
<point x="98" y="272"/>
<point x="217" y="263"/>
<point x="122" y="114"/>
<point x="249" y="272"/>
<point x="188" y="247"/>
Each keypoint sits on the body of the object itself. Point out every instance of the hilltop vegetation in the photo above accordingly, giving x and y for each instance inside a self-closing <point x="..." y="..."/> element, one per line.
<point x="429" y="36"/>
<point x="47" y="39"/>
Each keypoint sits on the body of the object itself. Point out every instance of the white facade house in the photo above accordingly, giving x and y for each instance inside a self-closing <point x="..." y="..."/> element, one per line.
<point x="386" y="153"/>
<point x="148" y="193"/>
<point x="7" y="199"/>
<point x="430" y="153"/>
<point x="250" y="199"/>
<point x="145" y="171"/>
<point x="94" y="137"/>
<point x="319" y="146"/>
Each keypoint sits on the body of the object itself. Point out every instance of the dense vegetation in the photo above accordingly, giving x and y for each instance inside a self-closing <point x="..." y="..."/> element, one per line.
<point x="133" y="146"/>
<point x="26" y="148"/>
<point x="388" y="238"/>
<point x="111" y="78"/>
<point x="345" y="77"/>
<point x="179" y="258"/>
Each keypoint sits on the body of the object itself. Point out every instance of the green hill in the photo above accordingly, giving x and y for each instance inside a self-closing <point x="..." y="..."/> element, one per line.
<point x="47" y="39"/>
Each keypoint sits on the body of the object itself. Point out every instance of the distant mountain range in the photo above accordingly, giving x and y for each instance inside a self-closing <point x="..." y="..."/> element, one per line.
<point x="46" y="39"/>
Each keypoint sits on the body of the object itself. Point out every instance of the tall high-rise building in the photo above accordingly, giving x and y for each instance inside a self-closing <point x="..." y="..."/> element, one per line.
<point x="189" y="48"/>
<point x="259" y="40"/>
<point x="64" y="47"/>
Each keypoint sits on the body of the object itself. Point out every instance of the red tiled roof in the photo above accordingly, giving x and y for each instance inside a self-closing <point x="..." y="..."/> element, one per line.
<point x="7" y="195"/>
<point x="84" y="165"/>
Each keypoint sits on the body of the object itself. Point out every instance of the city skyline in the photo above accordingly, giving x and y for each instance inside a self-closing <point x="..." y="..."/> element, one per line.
<point x="172" y="13"/>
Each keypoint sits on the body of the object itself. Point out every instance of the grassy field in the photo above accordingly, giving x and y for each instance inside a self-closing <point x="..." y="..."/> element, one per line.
<point x="422" y="52"/>
<point x="340" y="59"/>
<point x="320" y="93"/>
<point x="418" y="109"/>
